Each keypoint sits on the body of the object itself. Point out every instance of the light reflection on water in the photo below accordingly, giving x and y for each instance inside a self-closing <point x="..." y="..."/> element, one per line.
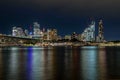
<point x="60" y="63"/>
<point x="13" y="64"/>
<point x="89" y="63"/>
<point x="37" y="64"/>
<point x="102" y="64"/>
<point x="1" y="65"/>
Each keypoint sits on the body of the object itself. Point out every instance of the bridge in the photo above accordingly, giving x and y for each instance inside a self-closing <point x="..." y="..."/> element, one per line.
<point x="12" y="40"/>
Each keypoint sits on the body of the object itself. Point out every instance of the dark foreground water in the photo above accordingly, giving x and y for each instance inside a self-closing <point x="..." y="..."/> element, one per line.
<point x="60" y="63"/>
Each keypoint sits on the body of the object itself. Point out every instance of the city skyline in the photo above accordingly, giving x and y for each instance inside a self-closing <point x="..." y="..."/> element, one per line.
<point x="66" y="16"/>
<point x="36" y="32"/>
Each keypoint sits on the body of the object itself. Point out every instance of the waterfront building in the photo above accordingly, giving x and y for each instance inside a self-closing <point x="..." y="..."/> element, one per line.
<point x="79" y="37"/>
<point x="48" y="34"/>
<point x="41" y="35"/>
<point x="68" y="37"/>
<point x="45" y="36"/>
<point x="26" y="32"/>
<point x="89" y="33"/>
<point x="52" y="34"/>
<point x="100" y="32"/>
<point x="74" y="35"/>
<point x="36" y="29"/>
<point x="55" y="36"/>
<point x="18" y="32"/>
<point x="14" y="31"/>
<point x="59" y="37"/>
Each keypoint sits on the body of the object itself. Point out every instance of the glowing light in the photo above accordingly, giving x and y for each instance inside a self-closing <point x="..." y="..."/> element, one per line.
<point x="13" y="65"/>
<point x="89" y="64"/>
<point x="37" y="63"/>
<point x="30" y="33"/>
<point x="89" y="47"/>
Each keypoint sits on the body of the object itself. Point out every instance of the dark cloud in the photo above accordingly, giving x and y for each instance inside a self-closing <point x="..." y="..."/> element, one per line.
<point x="88" y="7"/>
<point x="104" y="8"/>
<point x="82" y="4"/>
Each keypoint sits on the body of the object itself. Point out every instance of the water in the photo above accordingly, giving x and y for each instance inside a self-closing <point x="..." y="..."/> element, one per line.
<point x="60" y="63"/>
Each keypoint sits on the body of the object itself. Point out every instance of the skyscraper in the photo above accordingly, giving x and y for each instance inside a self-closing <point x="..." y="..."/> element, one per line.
<point x="92" y="31"/>
<point x="100" y="31"/>
<point x="14" y="31"/>
<point x="36" y="29"/>
<point x="18" y="32"/>
<point x="89" y="32"/>
<point x="26" y="32"/>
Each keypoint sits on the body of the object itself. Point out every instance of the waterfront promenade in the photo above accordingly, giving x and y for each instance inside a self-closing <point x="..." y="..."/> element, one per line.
<point x="62" y="44"/>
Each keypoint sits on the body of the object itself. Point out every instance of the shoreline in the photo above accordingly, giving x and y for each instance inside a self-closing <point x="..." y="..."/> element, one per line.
<point x="76" y="44"/>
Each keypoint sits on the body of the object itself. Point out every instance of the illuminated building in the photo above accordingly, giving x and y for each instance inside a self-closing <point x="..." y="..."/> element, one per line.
<point x="45" y="36"/>
<point x="54" y="34"/>
<point x="74" y="35"/>
<point x="79" y="37"/>
<point x="48" y="34"/>
<point x="89" y="33"/>
<point x="18" y="32"/>
<point x="68" y="37"/>
<point x="14" y="31"/>
<point x="59" y="37"/>
<point x="36" y="30"/>
<point x="41" y="35"/>
<point x="51" y="34"/>
<point x="26" y="32"/>
<point x="100" y="37"/>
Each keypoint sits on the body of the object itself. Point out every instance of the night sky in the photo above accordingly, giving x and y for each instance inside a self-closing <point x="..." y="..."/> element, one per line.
<point x="66" y="16"/>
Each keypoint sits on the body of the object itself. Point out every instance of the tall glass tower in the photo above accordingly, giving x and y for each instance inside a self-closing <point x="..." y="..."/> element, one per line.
<point x="89" y="32"/>
<point x="100" y="33"/>
<point x="92" y="31"/>
<point x="36" y="29"/>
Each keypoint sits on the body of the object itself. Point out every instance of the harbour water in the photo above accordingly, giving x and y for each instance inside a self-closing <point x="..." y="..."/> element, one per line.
<point x="60" y="63"/>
